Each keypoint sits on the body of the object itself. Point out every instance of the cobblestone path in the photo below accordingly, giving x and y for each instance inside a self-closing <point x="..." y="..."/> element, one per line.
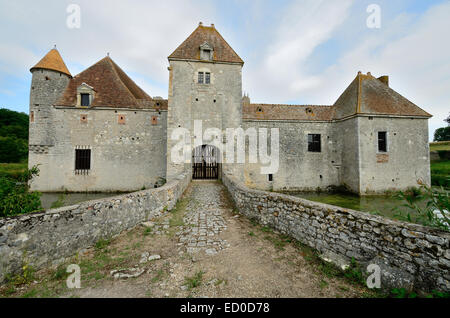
<point x="204" y="219"/>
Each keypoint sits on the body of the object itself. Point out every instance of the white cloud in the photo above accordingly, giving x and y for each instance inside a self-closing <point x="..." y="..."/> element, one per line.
<point x="138" y="34"/>
<point x="305" y="25"/>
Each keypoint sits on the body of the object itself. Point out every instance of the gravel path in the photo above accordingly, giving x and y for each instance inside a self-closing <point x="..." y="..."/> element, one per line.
<point x="200" y="249"/>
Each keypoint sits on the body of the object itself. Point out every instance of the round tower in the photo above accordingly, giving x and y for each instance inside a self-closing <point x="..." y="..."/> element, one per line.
<point x="49" y="80"/>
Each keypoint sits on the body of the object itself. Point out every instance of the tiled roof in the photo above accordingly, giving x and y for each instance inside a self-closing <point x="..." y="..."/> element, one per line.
<point x="366" y="95"/>
<point x="190" y="48"/>
<point x="52" y="61"/>
<point x="369" y="95"/>
<point x="287" y="112"/>
<point x="112" y="88"/>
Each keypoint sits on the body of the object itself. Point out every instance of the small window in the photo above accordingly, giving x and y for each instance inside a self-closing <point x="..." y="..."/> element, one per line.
<point x="201" y="77"/>
<point x="85" y="100"/>
<point x="205" y="55"/>
<point x="270" y="177"/>
<point x="207" y="78"/>
<point x="382" y="141"/>
<point x="82" y="159"/>
<point x="314" y="143"/>
<point x="32" y="116"/>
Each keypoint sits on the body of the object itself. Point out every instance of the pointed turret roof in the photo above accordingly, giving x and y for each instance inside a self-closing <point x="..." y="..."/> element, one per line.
<point x="113" y="88"/>
<point x="52" y="61"/>
<point x="371" y="96"/>
<point x="190" y="48"/>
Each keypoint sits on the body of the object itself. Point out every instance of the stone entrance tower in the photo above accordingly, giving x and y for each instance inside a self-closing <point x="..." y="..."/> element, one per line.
<point x="205" y="84"/>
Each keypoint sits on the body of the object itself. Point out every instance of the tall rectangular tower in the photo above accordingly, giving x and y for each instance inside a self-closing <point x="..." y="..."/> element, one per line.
<point x="205" y="86"/>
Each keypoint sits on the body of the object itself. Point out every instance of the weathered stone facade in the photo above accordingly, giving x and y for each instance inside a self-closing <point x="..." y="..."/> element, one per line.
<point x="129" y="134"/>
<point x="51" y="237"/>
<point x="409" y="255"/>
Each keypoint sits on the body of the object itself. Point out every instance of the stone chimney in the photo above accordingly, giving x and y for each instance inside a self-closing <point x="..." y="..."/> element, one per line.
<point x="384" y="79"/>
<point x="246" y="99"/>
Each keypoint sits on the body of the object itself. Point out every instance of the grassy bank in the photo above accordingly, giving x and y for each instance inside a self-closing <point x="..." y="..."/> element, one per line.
<point x="443" y="145"/>
<point x="440" y="173"/>
<point x="13" y="170"/>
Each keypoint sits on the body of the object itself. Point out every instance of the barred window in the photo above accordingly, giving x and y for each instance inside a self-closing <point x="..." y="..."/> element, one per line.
<point x="314" y="143"/>
<point x="201" y="77"/>
<point x="207" y="78"/>
<point x="82" y="159"/>
<point x="382" y="141"/>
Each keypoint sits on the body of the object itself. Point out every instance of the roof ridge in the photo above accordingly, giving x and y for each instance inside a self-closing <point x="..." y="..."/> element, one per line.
<point x="215" y="30"/>
<point x="115" y="67"/>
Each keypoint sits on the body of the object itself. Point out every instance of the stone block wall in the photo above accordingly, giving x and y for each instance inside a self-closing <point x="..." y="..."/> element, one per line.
<point x="409" y="255"/>
<point x="51" y="237"/>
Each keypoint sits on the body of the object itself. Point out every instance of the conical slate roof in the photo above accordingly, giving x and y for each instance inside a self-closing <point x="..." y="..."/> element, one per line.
<point x="112" y="87"/>
<point x="190" y="48"/>
<point x="52" y="61"/>
<point x="369" y="95"/>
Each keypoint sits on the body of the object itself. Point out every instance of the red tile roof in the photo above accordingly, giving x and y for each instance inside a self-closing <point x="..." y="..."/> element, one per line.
<point x="112" y="88"/>
<point x="190" y="48"/>
<point x="369" y="95"/>
<point x="287" y="112"/>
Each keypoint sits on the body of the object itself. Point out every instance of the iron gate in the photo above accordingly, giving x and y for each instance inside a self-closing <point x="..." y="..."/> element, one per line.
<point x="205" y="163"/>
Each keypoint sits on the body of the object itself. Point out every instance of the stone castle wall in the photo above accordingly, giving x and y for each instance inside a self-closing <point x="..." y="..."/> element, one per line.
<point x="409" y="255"/>
<point x="51" y="237"/>
<point x="126" y="155"/>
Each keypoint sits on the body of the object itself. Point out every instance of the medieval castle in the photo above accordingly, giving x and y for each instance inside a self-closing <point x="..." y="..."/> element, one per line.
<point x="99" y="131"/>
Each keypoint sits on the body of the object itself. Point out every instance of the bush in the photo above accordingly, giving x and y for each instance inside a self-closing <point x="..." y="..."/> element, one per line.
<point x="436" y="213"/>
<point x="15" y="197"/>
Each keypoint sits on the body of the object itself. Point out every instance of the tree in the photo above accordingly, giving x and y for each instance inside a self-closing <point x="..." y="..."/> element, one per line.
<point x="442" y="134"/>
<point x="447" y="120"/>
<point x="13" y="136"/>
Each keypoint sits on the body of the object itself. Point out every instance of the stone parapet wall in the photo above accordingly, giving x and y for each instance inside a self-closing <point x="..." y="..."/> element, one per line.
<point x="409" y="255"/>
<point x="51" y="237"/>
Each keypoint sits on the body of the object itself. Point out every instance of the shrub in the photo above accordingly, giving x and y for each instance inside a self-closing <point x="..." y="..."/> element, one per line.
<point x="15" y="197"/>
<point x="436" y="212"/>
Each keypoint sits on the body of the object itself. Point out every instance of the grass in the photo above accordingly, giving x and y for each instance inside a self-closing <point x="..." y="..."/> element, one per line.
<point x="13" y="170"/>
<point x="436" y="146"/>
<point x="440" y="173"/>
<point x="194" y="281"/>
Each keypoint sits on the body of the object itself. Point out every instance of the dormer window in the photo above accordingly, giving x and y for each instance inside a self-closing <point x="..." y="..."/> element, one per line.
<point x="85" y="95"/>
<point x="206" y="52"/>
<point x="85" y="100"/>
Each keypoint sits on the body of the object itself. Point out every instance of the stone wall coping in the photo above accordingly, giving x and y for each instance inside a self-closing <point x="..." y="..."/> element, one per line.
<point x="339" y="210"/>
<point x="68" y="209"/>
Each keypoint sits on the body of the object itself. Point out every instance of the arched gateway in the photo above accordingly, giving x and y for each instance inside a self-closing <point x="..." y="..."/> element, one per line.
<point x="205" y="162"/>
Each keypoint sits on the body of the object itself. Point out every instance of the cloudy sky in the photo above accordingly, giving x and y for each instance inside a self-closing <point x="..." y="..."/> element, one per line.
<point x="300" y="52"/>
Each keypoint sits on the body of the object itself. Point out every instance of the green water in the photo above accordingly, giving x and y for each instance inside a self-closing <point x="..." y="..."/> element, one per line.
<point x="378" y="205"/>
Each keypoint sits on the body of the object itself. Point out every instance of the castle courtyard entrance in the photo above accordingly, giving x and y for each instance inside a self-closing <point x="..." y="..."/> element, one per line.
<point x="205" y="163"/>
